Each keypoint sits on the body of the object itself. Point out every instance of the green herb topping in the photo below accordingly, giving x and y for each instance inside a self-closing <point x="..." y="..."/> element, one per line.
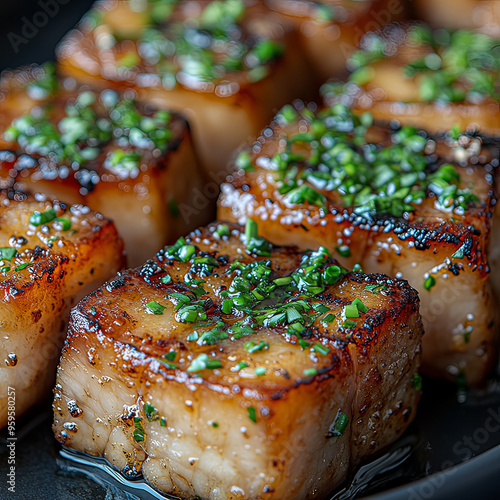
<point x="201" y="50"/>
<point x="139" y="430"/>
<point x="339" y="425"/>
<point x="203" y="362"/>
<point x="252" y="414"/>
<point x="90" y="121"/>
<point x="333" y="163"/>
<point x="448" y="66"/>
<point x="154" y="307"/>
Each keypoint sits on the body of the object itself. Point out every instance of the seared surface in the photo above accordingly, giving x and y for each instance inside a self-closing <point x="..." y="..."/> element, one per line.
<point x="226" y="66"/>
<point x="331" y="30"/>
<point x="129" y="161"/>
<point x="396" y="202"/>
<point x="430" y="79"/>
<point x="274" y="394"/>
<point x="44" y="270"/>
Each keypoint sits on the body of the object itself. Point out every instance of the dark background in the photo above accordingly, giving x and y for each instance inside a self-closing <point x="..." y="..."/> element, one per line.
<point x="31" y="29"/>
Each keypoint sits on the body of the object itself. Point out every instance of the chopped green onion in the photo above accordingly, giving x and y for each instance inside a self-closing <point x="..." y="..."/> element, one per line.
<point x="39" y="218"/>
<point x="7" y="253"/>
<point x="151" y="412"/>
<point x="203" y="362"/>
<point x="416" y="382"/>
<point x="349" y="324"/>
<point x="252" y="347"/>
<point x="252" y="414"/>
<point x="21" y="267"/>
<point x="339" y="425"/>
<point x="260" y="370"/>
<point x="360" y="306"/>
<point x="429" y="283"/>
<point x="310" y="372"/>
<point x="320" y="348"/>
<point x="343" y="251"/>
<point x="192" y="336"/>
<point x="154" y="307"/>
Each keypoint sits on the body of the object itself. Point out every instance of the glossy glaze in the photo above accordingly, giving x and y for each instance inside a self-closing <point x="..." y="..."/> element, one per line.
<point x="228" y="432"/>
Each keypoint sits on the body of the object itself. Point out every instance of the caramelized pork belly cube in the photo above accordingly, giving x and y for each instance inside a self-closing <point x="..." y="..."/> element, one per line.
<point x="227" y="65"/>
<point x="228" y="368"/>
<point x="330" y="31"/>
<point x="483" y="15"/>
<point x="395" y="201"/>
<point x="431" y="79"/>
<point x="51" y="255"/>
<point x="131" y="162"/>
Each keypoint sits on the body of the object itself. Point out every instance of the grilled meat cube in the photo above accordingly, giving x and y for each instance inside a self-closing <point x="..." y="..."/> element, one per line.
<point x="226" y="65"/>
<point x="51" y="255"/>
<point x="395" y="201"/>
<point x="431" y="79"/>
<point x="331" y="30"/>
<point x="228" y="368"/>
<point x="131" y="162"/>
<point x="482" y="15"/>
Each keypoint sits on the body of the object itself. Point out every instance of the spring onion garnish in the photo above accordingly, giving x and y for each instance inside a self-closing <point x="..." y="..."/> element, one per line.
<point x="21" y="267"/>
<point x="457" y="66"/>
<point x="349" y="324"/>
<point x="429" y="283"/>
<point x="151" y="412"/>
<point x="214" y="335"/>
<point x="139" y="430"/>
<point x="343" y="251"/>
<point x="416" y="382"/>
<point x="260" y="370"/>
<point x="336" y="162"/>
<point x="7" y="253"/>
<point x="320" y="348"/>
<point x="310" y="372"/>
<point x="78" y="137"/>
<point x="154" y="307"/>
<point x="243" y="161"/>
<point x="39" y="218"/>
<point x="252" y="347"/>
<point x="222" y="230"/>
<point x="252" y="414"/>
<point x="254" y="243"/>
<point x="339" y="425"/>
<point x="62" y="224"/>
<point x="203" y="362"/>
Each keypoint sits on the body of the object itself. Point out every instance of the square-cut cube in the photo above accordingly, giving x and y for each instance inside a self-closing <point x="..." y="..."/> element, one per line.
<point x="229" y="368"/>
<point x="394" y="200"/>
<point x="227" y="65"/>
<point x="130" y="161"/>
<point x="427" y="78"/>
<point x="51" y="255"/>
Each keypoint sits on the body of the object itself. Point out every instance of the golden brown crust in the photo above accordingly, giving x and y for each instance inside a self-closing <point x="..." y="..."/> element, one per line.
<point x="140" y="198"/>
<point x="365" y="369"/>
<point x="52" y="267"/>
<point x="444" y="254"/>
